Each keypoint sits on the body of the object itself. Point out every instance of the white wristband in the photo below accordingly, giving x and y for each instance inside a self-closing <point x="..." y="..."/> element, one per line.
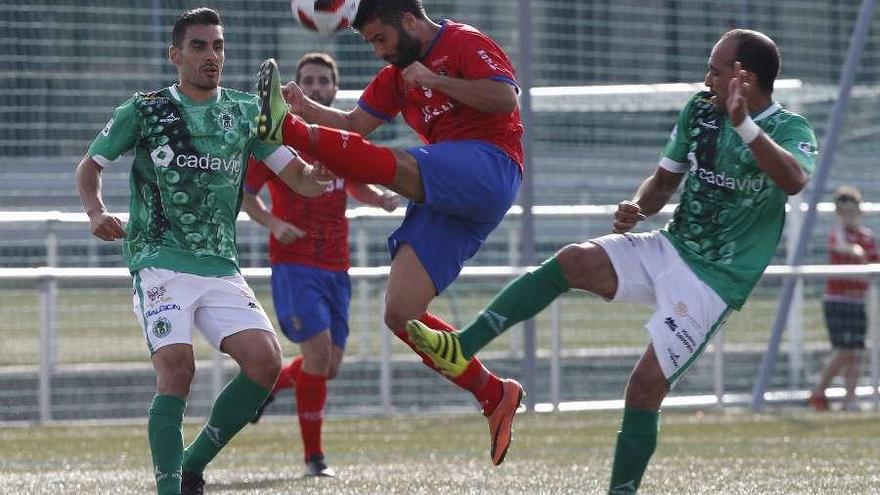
<point x="748" y="130"/>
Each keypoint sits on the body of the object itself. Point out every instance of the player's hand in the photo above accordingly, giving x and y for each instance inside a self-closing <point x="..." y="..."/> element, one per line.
<point x="321" y="174"/>
<point x="738" y="91"/>
<point x="626" y="217"/>
<point x="388" y="201"/>
<point x="419" y="75"/>
<point x="859" y="252"/>
<point x="294" y="97"/>
<point x="105" y="226"/>
<point x="285" y="232"/>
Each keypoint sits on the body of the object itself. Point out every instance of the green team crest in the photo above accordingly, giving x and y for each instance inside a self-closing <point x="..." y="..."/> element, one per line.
<point x="161" y="327"/>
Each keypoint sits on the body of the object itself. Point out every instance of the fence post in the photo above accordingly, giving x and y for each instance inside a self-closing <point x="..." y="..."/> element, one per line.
<point x="718" y="371"/>
<point x="874" y="328"/>
<point x="516" y="335"/>
<point x="48" y="298"/>
<point x="385" y="367"/>
<point x="363" y="292"/>
<point x="793" y="223"/>
<point x="52" y="288"/>
<point x="555" y="354"/>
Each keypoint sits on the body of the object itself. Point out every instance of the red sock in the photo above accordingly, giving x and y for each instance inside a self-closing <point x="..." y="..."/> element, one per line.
<point x="485" y="386"/>
<point x="347" y="154"/>
<point x="311" y="395"/>
<point x="287" y="376"/>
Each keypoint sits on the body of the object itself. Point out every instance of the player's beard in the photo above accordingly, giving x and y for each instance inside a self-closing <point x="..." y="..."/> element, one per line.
<point x="322" y="99"/>
<point x="409" y="49"/>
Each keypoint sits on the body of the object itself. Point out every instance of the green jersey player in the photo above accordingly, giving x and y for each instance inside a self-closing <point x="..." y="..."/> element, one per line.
<point x="740" y="154"/>
<point x="191" y="144"/>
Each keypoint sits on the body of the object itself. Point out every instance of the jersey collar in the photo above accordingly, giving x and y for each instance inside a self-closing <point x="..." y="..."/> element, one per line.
<point x="443" y="24"/>
<point x="767" y="112"/>
<point x="177" y="95"/>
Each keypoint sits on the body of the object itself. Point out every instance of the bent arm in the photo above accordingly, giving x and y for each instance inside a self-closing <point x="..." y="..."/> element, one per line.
<point x="354" y="120"/>
<point x="655" y="191"/>
<point x="88" y="185"/>
<point x="484" y="95"/>
<point x="303" y="178"/>
<point x="256" y="209"/>
<point x="779" y="164"/>
<point x="369" y="194"/>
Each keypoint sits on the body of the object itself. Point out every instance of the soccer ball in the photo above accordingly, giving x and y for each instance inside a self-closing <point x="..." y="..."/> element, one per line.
<point x="324" y="16"/>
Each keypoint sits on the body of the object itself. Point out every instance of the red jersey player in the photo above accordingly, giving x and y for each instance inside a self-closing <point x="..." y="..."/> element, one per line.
<point x="308" y="250"/>
<point x="457" y="89"/>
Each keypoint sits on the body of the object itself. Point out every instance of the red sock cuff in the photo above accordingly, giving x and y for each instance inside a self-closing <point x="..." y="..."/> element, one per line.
<point x="347" y="154"/>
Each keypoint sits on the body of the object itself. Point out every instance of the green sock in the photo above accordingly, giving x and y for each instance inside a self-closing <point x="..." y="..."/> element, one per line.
<point x="635" y="445"/>
<point x="166" y="441"/>
<point x="522" y="299"/>
<point x="234" y="408"/>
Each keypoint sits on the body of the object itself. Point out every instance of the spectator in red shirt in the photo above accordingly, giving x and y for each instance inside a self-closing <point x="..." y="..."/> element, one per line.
<point x="308" y="250"/>
<point x="844" y="301"/>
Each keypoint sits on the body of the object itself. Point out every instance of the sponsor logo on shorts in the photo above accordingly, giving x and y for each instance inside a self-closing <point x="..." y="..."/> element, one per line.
<point x="253" y="305"/>
<point x="154" y="293"/>
<point x="681" y="310"/>
<point x="161" y="309"/>
<point x="297" y="324"/>
<point x="161" y="327"/>
<point x="673" y="357"/>
<point x="681" y="334"/>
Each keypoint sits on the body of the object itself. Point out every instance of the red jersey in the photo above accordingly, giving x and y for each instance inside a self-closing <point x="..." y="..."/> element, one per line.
<point x="849" y="289"/>
<point x="325" y="244"/>
<point x="458" y="51"/>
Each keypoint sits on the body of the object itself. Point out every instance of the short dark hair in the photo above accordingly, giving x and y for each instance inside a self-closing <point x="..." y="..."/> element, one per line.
<point x="202" y="16"/>
<point x="758" y="54"/>
<point x="318" y="58"/>
<point x="847" y="194"/>
<point x="388" y="11"/>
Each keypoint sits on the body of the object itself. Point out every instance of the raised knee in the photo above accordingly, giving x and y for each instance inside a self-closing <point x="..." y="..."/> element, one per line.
<point x="573" y="259"/>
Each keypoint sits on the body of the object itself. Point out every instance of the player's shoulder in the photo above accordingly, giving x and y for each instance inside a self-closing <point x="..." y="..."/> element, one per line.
<point x="239" y="96"/>
<point x="463" y="32"/>
<point x="783" y="116"/>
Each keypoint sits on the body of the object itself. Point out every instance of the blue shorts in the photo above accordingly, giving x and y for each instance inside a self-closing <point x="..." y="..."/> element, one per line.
<point x="309" y="300"/>
<point x="469" y="186"/>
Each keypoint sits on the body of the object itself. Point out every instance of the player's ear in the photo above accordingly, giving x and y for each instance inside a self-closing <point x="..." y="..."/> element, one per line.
<point x="173" y="54"/>
<point x="408" y="21"/>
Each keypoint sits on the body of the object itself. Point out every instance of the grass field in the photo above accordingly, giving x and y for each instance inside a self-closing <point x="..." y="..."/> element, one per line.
<point x="715" y="453"/>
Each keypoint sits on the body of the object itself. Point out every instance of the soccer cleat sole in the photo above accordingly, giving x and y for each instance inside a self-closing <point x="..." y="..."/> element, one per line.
<point x="267" y="128"/>
<point x="496" y="454"/>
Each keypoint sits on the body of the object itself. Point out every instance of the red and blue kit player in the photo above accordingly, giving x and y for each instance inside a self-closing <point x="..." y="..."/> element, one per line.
<point x="308" y="250"/>
<point x="457" y="89"/>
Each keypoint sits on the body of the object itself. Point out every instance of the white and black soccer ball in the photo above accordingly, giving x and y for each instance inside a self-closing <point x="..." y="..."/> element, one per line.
<point x="324" y="16"/>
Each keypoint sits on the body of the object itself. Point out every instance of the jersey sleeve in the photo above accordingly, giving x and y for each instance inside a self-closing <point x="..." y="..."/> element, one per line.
<point x="796" y="136"/>
<point x="382" y="97"/>
<point x="674" y="154"/>
<point x="256" y="176"/>
<point x="482" y="58"/>
<point x="118" y="136"/>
